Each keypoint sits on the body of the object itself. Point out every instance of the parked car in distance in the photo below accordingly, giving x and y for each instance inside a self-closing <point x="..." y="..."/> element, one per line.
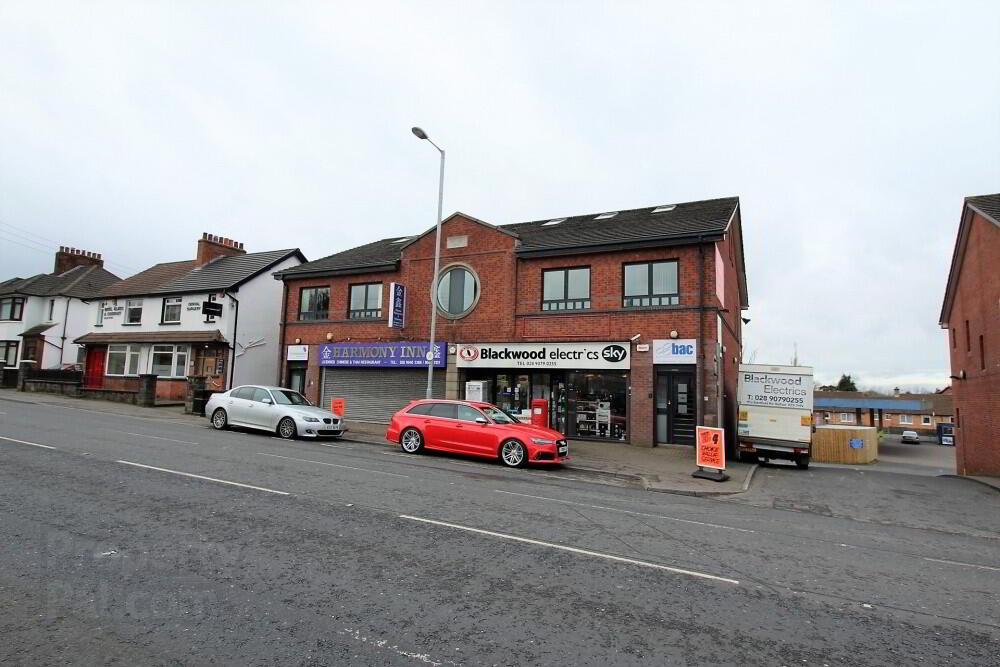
<point x="910" y="436"/>
<point x="275" y="409"/>
<point x="472" y="427"/>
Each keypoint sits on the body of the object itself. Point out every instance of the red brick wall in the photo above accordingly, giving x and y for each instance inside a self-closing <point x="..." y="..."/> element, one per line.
<point x="509" y="308"/>
<point x="977" y="398"/>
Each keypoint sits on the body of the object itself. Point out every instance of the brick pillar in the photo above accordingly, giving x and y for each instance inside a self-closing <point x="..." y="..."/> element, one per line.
<point x="147" y="390"/>
<point x="640" y="406"/>
<point x="314" y="376"/>
<point x="195" y="387"/>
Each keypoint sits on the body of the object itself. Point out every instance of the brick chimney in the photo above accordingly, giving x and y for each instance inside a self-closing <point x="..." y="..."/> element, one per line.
<point x="68" y="258"/>
<point x="211" y="246"/>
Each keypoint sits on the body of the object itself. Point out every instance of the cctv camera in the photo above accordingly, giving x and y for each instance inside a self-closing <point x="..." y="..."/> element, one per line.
<point x="636" y="337"/>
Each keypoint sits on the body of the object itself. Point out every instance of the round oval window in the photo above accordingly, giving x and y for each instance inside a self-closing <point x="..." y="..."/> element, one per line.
<point x="458" y="291"/>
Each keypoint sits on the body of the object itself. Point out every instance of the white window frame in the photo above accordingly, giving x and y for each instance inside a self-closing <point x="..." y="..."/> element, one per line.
<point x="926" y="420"/>
<point x="131" y="353"/>
<point x="169" y="302"/>
<point x="846" y="417"/>
<point x="176" y="352"/>
<point x="906" y="419"/>
<point x="130" y="305"/>
<point x="100" y="313"/>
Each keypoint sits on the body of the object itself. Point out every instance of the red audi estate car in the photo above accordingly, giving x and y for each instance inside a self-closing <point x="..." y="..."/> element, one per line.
<point x="471" y="427"/>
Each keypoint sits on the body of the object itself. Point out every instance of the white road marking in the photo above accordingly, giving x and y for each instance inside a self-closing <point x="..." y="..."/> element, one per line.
<point x="615" y="509"/>
<point x="333" y="465"/>
<point x="584" y="552"/>
<point x="210" y="479"/>
<point x="25" y="442"/>
<point x="955" y="562"/>
<point x="145" y="435"/>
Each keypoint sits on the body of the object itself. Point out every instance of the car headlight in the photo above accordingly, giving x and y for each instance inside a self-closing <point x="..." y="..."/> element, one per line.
<point x="543" y="441"/>
<point x="309" y="419"/>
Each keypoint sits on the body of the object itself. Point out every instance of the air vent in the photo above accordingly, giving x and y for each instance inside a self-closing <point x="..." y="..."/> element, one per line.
<point x="556" y="221"/>
<point x="605" y="216"/>
<point x="664" y="209"/>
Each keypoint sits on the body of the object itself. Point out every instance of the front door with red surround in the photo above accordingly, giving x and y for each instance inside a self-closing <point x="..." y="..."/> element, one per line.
<point x="93" y="375"/>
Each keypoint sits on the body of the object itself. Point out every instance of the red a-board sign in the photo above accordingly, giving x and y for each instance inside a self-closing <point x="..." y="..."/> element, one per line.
<point x="711" y="448"/>
<point x="338" y="406"/>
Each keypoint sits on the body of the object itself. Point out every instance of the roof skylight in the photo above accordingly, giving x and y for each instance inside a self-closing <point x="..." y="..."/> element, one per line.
<point x="554" y="221"/>
<point x="664" y="209"/>
<point x="403" y="240"/>
<point x="605" y="216"/>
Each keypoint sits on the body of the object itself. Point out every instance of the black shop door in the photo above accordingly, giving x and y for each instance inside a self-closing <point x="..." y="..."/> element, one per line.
<point x="675" y="408"/>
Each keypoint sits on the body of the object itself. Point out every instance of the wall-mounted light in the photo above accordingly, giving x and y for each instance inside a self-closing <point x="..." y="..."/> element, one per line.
<point x="298" y="340"/>
<point x="746" y="320"/>
<point x="673" y="334"/>
<point x="329" y="335"/>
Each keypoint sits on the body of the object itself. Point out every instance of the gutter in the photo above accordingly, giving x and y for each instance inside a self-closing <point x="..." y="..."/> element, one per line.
<point x="701" y="333"/>
<point x="282" y="323"/>
<point x="236" y="321"/>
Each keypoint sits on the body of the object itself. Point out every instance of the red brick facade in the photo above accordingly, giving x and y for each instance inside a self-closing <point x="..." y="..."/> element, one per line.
<point x="974" y="345"/>
<point x="510" y="310"/>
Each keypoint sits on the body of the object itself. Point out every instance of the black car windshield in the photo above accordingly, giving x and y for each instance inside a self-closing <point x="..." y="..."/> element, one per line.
<point x="288" y="397"/>
<point x="498" y="415"/>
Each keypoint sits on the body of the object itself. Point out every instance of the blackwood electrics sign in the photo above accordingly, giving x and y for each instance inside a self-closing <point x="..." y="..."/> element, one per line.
<point x="605" y="355"/>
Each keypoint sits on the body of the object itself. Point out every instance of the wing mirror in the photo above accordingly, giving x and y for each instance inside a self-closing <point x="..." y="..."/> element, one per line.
<point x="268" y="401"/>
<point x="482" y="420"/>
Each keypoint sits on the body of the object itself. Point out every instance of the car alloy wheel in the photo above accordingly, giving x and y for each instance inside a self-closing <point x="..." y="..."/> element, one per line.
<point x="411" y="441"/>
<point x="512" y="454"/>
<point x="286" y="428"/>
<point x="219" y="419"/>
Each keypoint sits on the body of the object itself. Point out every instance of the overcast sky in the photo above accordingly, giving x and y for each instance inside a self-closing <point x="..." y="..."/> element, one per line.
<point x="850" y="131"/>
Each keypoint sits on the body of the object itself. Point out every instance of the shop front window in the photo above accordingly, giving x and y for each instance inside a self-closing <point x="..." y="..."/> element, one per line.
<point x="597" y="405"/>
<point x="170" y="360"/>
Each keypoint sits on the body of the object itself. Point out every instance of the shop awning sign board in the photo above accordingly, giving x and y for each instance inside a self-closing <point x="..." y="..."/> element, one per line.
<point x="297" y="353"/>
<point x="407" y="354"/>
<point x="675" y="351"/>
<point x="598" y="356"/>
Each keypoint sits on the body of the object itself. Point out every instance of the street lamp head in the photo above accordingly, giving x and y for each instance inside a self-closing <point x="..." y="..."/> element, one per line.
<point x="420" y="134"/>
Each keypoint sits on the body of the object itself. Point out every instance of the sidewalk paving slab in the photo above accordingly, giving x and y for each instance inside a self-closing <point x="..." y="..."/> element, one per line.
<point x="665" y="469"/>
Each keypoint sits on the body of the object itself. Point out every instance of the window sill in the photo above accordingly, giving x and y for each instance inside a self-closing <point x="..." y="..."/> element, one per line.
<point x="169" y="323"/>
<point x="131" y="324"/>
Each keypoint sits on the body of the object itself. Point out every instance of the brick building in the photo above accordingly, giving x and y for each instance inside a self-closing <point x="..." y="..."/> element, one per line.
<point x="896" y="413"/>
<point x="626" y="322"/>
<point x="971" y="314"/>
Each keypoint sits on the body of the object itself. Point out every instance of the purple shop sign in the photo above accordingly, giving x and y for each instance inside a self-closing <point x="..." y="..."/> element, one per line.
<point x="382" y="355"/>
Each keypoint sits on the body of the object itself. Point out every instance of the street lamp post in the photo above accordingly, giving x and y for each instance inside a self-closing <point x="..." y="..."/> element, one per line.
<point x="420" y="134"/>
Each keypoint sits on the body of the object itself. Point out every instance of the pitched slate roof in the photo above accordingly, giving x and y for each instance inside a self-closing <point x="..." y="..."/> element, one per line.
<point x="149" y="280"/>
<point x="368" y="257"/>
<point x="226" y="272"/>
<point x="685" y="221"/>
<point x="82" y="282"/>
<point x="987" y="205"/>
<point x="222" y="273"/>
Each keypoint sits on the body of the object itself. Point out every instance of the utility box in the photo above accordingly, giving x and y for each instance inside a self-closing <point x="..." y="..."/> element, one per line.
<point x="946" y="434"/>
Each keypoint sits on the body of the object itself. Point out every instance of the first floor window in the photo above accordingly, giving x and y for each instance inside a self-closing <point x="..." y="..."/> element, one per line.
<point x="365" y="301"/>
<point x="314" y="303"/>
<point x="11" y="308"/>
<point x="133" y="311"/>
<point x="566" y="289"/>
<point x="925" y="420"/>
<point x="905" y="419"/>
<point x="171" y="310"/>
<point x="100" y="313"/>
<point x="170" y="360"/>
<point x="123" y="360"/>
<point x="846" y="417"/>
<point x="8" y="352"/>
<point x="650" y="284"/>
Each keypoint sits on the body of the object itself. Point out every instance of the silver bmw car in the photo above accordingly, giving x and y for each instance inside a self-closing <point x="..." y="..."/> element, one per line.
<point x="274" y="409"/>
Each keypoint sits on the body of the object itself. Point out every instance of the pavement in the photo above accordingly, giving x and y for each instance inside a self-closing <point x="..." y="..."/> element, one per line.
<point x="662" y="469"/>
<point x="135" y="538"/>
